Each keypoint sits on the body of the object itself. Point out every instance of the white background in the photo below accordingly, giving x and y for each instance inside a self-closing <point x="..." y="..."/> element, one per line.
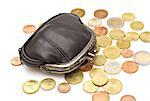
<point x="14" y="14"/>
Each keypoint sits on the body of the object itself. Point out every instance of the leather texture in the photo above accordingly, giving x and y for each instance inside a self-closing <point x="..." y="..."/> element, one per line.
<point x="58" y="40"/>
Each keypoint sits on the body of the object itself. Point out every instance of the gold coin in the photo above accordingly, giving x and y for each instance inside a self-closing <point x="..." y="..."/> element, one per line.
<point x="137" y="25"/>
<point x="48" y="84"/>
<point x="31" y="86"/>
<point x="127" y="98"/>
<point x="89" y="87"/>
<point x="64" y="87"/>
<point x="123" y="43"/>
<point x="113" y="86"/>
<point x="16" y="61"/>
<point x="145" y="37"/>
<point x="101" y="13"/>
<point x="94" y="22"/>
<point x="128" y="16"/>
<point x="101" y="31"/>
<point x="100" y="96"/>
<point x="99" y="60"/>
<point x="78" y="11"/>
<point x="29" y="29"/>
<point x="104" y="41"/>
<point x="117" y="34"/>
<point x="132" y="36"/>
<point x="74" y="77"/>
<point x="115" y="23"/>
<point x="112" y="52"/>
<point x="98" y="76"/>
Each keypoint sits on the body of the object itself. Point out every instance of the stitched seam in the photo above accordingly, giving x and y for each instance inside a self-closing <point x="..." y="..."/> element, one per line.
<point x="57" y="47"/>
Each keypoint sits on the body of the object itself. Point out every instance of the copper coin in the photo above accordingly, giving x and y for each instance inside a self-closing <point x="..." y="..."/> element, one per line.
<point x="127" y="98"/>
<point x="78" y="11"/>
<point x="16" y="61"/>
<point x="127" y="53"/>
<point x="64" y="87"/>
<point x="87" y="67"/>
<point x="130" y="67"/>
<point x="29" y="29"/>
<point x="101" y="13"/>
<point x="101" y="31"/>
<point x="100" y="96"/>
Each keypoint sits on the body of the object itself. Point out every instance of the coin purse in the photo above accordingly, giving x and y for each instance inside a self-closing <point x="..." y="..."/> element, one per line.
<point x="61" y="45"/>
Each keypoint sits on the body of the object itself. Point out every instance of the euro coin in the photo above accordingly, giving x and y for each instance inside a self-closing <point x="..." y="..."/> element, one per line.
<point x="64" y="87"/>
<point x="130" y="67"/>
<point x="87" y="67"/>
<point x="101" y="31"/>
<point x="101" y="13"/>
<point x="16" y="61"/>
<point x="123" y="43"/>
<point x="48" y="84"/>
<point x="99" y="60"/>
<point x="94" y="22"/>
<point x="98" y="76"/>
<point x="100" y="96"/>
<point x="142" y="58"/>
<point x="137" y="25"/>
<point x="115" y="23"/>
<point x="145" y="37"/>
<point x="112" y="67"/>
<point x="128" y="16"/>
<point x="113" y="86"/>
<point x="31" y="86"/>
<point x="132" y="36"/>
<point x="117" y="34"/>
<point x="127" y="53"/>
<point x="89" y="87"/>
<point x="112" y="52"/>
<point x="29" y="29"/>
<point x="128" y="98"/>
<point x="74" y="77"/>
<point x="78" y="11"/>
<point x="104" y="41"/>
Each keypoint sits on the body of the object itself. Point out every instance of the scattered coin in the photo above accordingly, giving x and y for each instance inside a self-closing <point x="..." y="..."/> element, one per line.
<point x="48" y="84"/>
<point x="31" y="86"/>
<point x="74" y="77"/>
<point x="104" y="41"/>
<point x="128" y="16"/>
<point x="137" y="25"/>
<point x="99" y="60"/>
<point x="113" y="86"/>
<point x="94" y="22"/>
<point x="101" y="31"/>
<point x="112" y="52"/>
<point x="112" y="67"/>
<point x="142" y="58"/>
<point x="127" y="53"/>
<point x="117" y="34"/>
<point x="87" y="67"/>
<point x="101" y="13"/>
<point x="130" y="67"/>
<point x="132" y="36"/>
<point x="100" y="96"/>
<point x="127" y="98"/>
<point x="89" y="87"/>
<point x="123" y="43"/>
<point x="145" y="37"/>
<point x="29" y="29"/>
<point x="78" y="11"/>
<point x="115" y="23"/>
<point x="16" y="61"/>
<point x="98" y="76"/>
<point x="64" y="87"/>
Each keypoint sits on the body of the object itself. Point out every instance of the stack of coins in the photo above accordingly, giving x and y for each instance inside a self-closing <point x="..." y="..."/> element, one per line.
<point x="106" y="65"/>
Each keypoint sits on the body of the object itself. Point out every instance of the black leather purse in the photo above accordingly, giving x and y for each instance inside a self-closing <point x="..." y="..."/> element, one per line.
<point x="60" y="45"/>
